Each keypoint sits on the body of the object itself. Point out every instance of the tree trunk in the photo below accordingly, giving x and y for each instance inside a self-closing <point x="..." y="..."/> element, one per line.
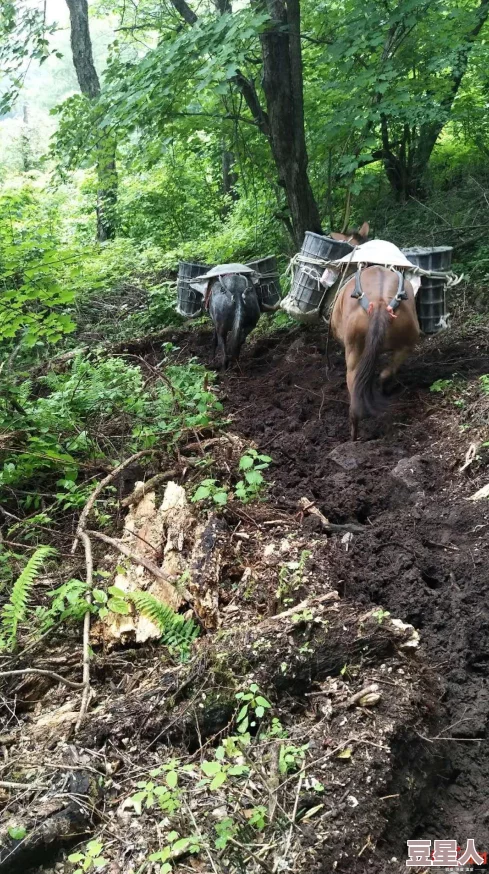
<point x="81" y="47"/>
<point x="406" y="170"/>
<point x="229" y="176"/>
<point x="283" y="87"/>
<point x="283" y="123"/>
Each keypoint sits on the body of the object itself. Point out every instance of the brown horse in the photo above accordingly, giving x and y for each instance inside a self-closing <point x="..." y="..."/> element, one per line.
<point x="374" y="312"/>
<point x="356" y="238"/>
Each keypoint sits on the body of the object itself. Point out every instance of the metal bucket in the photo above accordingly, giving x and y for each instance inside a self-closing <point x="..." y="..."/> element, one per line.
<point x="269" y="287"/>
<point x="307" y="292"/>
<point x="189" y="301"/>
<point x="431" y="300"/>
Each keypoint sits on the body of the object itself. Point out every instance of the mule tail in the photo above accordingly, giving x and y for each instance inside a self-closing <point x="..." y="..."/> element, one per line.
<point x="365" y="400"/>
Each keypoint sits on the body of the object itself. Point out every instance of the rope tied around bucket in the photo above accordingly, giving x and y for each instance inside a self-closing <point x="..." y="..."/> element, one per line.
<point x="452" y="279"/>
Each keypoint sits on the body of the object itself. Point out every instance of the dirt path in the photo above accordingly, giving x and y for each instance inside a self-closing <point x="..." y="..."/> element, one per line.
<point x="424" y="553"/>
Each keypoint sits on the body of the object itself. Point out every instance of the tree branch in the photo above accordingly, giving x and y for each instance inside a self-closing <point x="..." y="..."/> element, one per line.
<point x="245" y="86"/>
<point x="185" y="11"/>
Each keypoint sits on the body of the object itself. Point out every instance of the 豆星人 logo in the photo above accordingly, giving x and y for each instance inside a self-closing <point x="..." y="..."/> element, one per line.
<point x="445" y="854"/>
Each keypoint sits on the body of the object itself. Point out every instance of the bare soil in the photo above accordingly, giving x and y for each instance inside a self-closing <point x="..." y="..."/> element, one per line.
<point x="424" y="552"/>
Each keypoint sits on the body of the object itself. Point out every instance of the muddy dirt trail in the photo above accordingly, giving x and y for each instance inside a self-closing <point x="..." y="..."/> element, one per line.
<point x="424" y="553"/>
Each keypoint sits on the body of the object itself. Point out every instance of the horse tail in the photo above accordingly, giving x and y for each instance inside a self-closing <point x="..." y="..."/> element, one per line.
<point x="365" y="401"/>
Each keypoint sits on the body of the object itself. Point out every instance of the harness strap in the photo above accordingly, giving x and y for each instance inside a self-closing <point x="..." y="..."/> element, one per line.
<point x="360" y="295"/>
<point x="400" y="295"/>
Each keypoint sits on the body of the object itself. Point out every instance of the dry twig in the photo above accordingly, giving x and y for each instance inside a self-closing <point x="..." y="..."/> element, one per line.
<point x="39" y="672"/>
<point x="86" y="630"/>
<point x="143" y="488"/>
<point x="101" y="486"/>
<point x="129" y="553"/>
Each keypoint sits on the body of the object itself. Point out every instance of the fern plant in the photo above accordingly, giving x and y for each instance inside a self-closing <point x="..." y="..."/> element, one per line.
<point x="176" y="632"/>
<point x="14" y="612"/>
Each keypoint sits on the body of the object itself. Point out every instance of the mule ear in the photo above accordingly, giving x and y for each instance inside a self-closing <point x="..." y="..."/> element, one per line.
<point x="363" y="231"/>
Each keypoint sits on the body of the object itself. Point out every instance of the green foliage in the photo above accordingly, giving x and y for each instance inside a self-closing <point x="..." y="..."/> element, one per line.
<point x="291" y="577"/>
<point x="17" y="832"/>
<point x="380" y="615"/>
<point x="484" y="381"/>
<point x="209" y="489"/>
<point x="175" y="847"/>
<point x="68" y="603"/>
<point x="34" y="305"/>
<point x="177" y="633"/>
<point x="103" y="395"/>
<point x="253" y="707"/>
<point x="291" y="757"/>
<point x="253" y="483"/>
<point x="14" y="611"/>
<point x="91" y="860"/>
<point x="442" y="385"/>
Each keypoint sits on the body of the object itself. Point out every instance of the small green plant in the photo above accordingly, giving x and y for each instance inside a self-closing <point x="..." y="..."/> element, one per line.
<point x="67" y="603"/>
<point x="175" y="847"/>
<point x="165" y="795"/>
<point x="251" y="465"/>
<point x="253" y="706"/>
<point x="291" y="757"/>
<point x="380" y="615"/>
<point x="226" y="829"/>
<point x="484" y="381"/>
<point x="177" y="633"/>
<point x="217" y="772"/>
<point x="290" y="577"/>
<point x="442" y="385"/>
<point x="91" y="860"/>
<point x="17" y="832"/>
<point x="15" y="610"/>
<point x="209" y="489"/>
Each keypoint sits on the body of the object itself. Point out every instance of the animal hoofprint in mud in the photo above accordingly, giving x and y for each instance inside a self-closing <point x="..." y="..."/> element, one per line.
<point x="364" y="321"/>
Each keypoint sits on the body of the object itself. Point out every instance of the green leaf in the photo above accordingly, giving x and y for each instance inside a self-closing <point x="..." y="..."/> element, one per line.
<point x="116" y="605"/>
<point x="245" y="462"/>
<point x="18" y="832"/>
<point x="172" y="779"/>
<point x="116" y="592"/>
<point x="345" y="754"/>
<point x="99" y="596"/>
<point x="254" y="477"/>
<point x="210" y="768"/>
<point x="242" y="713"/>
<point x="201" y="494"/>
<point x="76" y="857"/>
<point x="218" y="780"/>
<point x="259" y="711"/>
<point x="180" y="845"/>
<point x="220" y="498"/>
<point x="262" y="701"/>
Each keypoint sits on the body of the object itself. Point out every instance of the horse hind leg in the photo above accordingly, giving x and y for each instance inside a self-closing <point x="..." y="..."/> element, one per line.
<point x="398" y="358"/>
<point x="353" y="356"/>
